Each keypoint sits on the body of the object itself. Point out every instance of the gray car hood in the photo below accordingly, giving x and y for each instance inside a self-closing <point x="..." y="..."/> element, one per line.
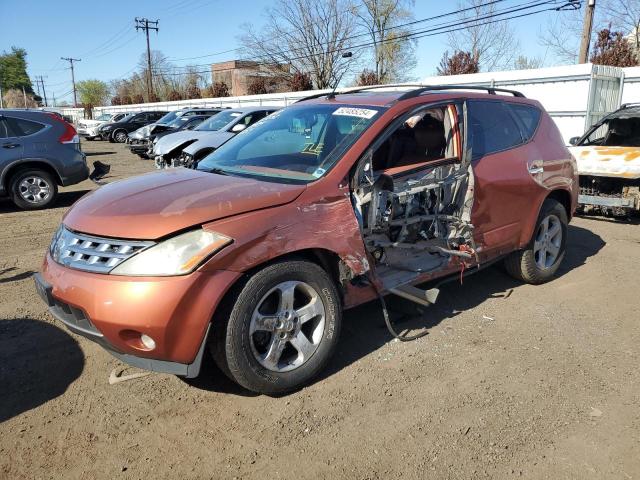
<point x="174" y="140"/>
<point x="213" y="140"/>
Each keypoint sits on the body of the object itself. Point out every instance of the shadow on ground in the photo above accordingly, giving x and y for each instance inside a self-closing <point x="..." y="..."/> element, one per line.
<point x="38" y="361"/>
<point x="14" y="277"/>
<point x="93" y="154"/>
<point x="364" y="330"/>
<point x="64" y="200"/>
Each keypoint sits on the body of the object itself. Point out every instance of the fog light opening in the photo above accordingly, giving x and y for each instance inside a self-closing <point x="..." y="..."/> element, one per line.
<point x="147" y="341"/>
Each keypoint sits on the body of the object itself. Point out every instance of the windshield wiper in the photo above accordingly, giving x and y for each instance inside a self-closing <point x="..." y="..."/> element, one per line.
<point x="218" y="171"/>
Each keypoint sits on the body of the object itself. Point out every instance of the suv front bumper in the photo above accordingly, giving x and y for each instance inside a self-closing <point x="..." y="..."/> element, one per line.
<point x="175" y="311"/>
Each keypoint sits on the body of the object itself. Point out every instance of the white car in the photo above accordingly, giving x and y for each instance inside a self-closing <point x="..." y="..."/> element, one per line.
<point x="89" y="128"/>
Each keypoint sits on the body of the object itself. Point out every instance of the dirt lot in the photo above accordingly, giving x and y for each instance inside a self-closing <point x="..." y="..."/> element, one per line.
<point x="512" y="381"/>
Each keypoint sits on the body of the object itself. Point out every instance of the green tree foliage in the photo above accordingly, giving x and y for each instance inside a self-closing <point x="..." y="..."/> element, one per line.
<point x="92" y="93"/>
<point x="13" y="70"/>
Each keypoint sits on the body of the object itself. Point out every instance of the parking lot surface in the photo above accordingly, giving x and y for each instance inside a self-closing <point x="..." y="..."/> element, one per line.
<point x="512" y="381"/>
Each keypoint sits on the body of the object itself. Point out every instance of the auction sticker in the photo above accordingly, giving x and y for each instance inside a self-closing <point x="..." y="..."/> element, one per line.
<point x="356" y="112"/>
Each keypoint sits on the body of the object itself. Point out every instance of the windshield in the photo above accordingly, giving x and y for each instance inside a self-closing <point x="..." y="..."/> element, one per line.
<point x="166" y="119"/>
<point x="298" y="143"/>
<point x="177" y="122"/>
<point x="219" y="120"/>
<point x="104" y="117"/>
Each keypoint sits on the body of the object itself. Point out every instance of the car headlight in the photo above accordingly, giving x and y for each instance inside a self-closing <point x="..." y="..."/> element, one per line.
<point x="106" y="128"/>
<point x="176" y="256"/>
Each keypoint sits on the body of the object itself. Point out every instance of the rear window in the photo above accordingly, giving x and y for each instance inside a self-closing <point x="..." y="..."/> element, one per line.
<point x="493" y="128"/>
<point x="529" y="116"/>
<point x="4" y="131"/>
<point x="22" y="127"/>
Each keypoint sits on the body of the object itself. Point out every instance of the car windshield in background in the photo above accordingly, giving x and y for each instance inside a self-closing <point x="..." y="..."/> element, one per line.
<point x="218" y="121"/>
<point x="104" y="117"/>
<point x="298" y="144"/>
<point x="179" y="121"/>
<point x="168" y="118"/>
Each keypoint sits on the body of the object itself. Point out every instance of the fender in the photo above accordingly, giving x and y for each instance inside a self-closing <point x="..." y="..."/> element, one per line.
<point x="6" y="171"/>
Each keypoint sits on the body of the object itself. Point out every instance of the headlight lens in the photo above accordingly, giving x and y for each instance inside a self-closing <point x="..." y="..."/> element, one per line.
<point x="176" y="256"/>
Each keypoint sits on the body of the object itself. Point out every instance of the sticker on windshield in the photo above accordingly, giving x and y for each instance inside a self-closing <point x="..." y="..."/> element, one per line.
<point x="319" y="172"/>
<point x="356" y="112"/>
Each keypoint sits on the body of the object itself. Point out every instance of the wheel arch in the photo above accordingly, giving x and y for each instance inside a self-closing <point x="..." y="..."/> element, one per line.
<point x="560" y="195"/>
<point x="10" y="171"/>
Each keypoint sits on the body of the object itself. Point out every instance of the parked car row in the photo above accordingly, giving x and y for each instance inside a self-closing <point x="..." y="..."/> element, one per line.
<point x="331" y="202"/>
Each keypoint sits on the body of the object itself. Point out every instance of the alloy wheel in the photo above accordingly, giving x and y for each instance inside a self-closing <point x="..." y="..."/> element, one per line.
<point x="34" y="189"/>
<point x="287" y="326"/>
<point x="548" y="241"/>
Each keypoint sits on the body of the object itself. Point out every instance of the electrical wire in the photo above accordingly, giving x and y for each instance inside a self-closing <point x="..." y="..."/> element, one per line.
<point x="452" y="27"/>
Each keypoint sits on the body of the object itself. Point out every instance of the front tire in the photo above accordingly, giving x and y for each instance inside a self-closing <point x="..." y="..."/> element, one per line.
<point x="281" y="330"/>
<point x="540" y="260"/>
<point x="33" y="189"/>
<point x="119" y="136"/>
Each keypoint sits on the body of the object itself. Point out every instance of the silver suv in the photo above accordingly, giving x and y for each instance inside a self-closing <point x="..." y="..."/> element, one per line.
<point x="39" y="151"/>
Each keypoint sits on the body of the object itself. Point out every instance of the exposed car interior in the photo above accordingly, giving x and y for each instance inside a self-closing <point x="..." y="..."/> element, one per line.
<point x="617" y="132"/>
<point x="411" y="196"/>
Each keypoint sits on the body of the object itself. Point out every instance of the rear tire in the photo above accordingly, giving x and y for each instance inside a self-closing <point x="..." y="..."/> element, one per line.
<point x="540" y="260"/>
<point x="281" y="330"/>
<point x="33" y="189"/>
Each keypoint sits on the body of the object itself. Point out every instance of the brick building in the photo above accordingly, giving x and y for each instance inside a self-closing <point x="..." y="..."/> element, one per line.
<point x="238" y="75"/>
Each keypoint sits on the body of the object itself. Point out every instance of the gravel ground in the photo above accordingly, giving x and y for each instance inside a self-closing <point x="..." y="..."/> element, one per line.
<point x="512" y="381"/>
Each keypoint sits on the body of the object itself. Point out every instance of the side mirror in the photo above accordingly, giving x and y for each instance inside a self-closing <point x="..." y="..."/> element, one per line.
<point x="238" y="127"/>
<point x="574" y="140"/>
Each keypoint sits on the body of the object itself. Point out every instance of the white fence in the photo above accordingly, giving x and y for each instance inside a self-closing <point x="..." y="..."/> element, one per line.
<point x="575" y="95"/>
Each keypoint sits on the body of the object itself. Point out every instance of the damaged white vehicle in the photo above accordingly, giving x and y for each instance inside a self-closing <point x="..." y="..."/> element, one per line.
<point x="171" y="150"/>
<point x="608" y="158"/>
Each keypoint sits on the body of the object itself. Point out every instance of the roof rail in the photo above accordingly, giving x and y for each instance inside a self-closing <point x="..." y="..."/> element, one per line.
<point x="420" y="88"/>
<point x="630" y="104"/>
<point x="491" y="90"/>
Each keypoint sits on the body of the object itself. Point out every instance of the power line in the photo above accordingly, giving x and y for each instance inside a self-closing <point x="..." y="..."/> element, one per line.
<point x="427" y="19"/>
<point x="442" y="25"/>
<point x="144" y="24"/>
<point x="416" y="34"/>
<point x="40" y="79"/>
<point x="73" y="78"/>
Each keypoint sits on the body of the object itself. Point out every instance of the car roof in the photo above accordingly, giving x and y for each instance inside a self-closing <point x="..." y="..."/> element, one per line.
<point x="255" y="109"/>
<point x="28" y="113"/>
<point x="628" y="110"/>
<point x="386" y="95"/>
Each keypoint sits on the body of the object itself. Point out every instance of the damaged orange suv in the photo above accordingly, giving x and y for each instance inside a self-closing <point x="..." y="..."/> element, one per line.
<point x="339" y="199"/>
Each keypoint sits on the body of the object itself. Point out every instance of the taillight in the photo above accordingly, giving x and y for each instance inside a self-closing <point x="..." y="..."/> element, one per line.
<point x="69" y="135"/>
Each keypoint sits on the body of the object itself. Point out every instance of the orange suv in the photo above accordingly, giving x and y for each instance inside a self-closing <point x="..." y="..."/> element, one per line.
<point x="339" y="199"/>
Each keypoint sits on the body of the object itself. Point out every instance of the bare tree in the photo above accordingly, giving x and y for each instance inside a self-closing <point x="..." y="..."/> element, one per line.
<point x="526" y="63"/>
<point x="493" y="44"/>
<point x="562" y="34"/>
<point x="308" y="35"/>
<point x="393" y="53"/>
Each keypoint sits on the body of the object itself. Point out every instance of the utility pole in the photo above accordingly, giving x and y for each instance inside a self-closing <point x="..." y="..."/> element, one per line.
<point x="40" y="78"/>
<point x="143" y="24"/>
<point x="73" y="78"/>
<point x="1" y="101"/>
<point x="586" y="31"/>
<point x="24" y="96"/>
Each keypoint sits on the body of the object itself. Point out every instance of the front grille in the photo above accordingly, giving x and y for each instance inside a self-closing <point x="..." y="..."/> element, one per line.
<point x="92" y="254"/>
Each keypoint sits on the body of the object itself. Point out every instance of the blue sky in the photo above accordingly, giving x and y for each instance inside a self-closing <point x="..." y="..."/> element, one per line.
<point x="49" y="29"/>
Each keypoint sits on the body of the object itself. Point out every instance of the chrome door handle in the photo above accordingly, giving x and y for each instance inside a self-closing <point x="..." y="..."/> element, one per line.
<point x="536" y="168"/>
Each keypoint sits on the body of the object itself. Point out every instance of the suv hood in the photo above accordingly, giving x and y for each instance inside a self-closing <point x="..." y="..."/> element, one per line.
<point x="157" y="204"/>
<point x="213" y="140"/>
<point x="172" y="141"/>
